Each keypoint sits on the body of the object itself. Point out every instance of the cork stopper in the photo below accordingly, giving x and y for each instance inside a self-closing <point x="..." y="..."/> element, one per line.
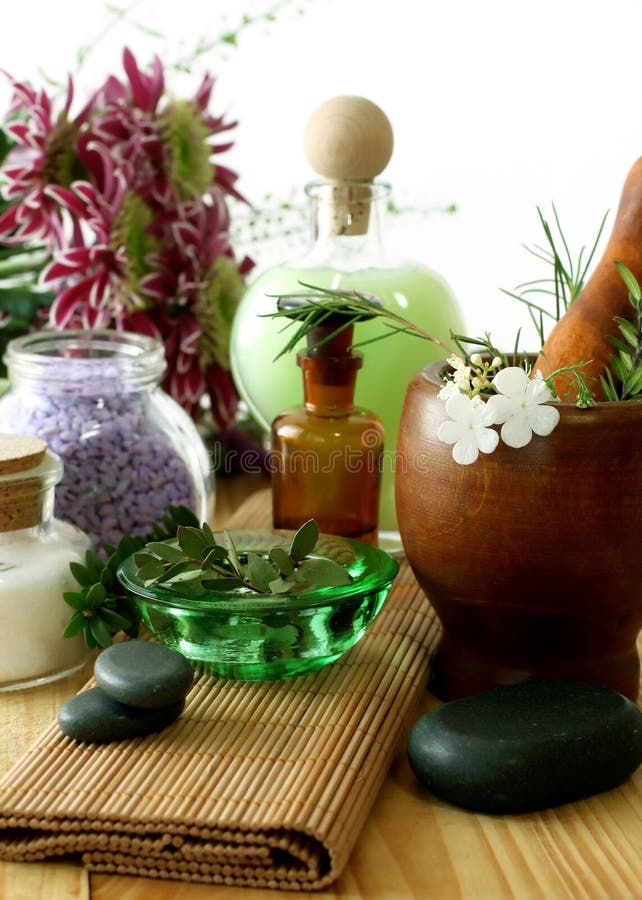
<point x="21" y="483"/>
<point x="348" y="141"/>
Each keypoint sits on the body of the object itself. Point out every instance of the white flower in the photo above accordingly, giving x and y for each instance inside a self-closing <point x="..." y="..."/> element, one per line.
<point x="450" y="389"/>
<point x="518" y="406"/>
<point x="468" y="429"/>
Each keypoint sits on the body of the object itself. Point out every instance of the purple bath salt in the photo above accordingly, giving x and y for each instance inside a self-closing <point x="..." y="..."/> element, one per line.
<point x="128" y="449"/>
<point x="120" y="475"/>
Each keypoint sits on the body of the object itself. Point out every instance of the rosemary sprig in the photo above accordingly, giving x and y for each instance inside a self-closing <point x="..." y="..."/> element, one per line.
<point x="568" y="276"/>
<point x="352" y="306"/>
<point x="622" y="379"/>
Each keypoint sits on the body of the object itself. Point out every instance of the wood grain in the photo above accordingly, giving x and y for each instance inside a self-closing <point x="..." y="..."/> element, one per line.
<point x="413" y="846"/>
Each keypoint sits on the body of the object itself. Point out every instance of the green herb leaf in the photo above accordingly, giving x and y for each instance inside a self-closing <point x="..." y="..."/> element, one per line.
<point x="164" y="550"/>
<point x="214" y="556"/>
<point x="305" y="540"/>
<point x="282" y="559"/>
<point x="75" y="626"/>
<point x="151" y="571"/>
<point x="95" y="596"/>
<point x="222" y="584"/>
<point x="630" y="281"/>
<point x="261" y="572"/>
<point x="192" y="542"/>
<point x="321" y="572"/>
<point x="231" y="552"/>
<point x="100" y="632"/>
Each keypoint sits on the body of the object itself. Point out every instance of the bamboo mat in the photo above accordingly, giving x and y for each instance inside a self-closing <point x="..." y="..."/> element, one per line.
<point x="257" y="784"/>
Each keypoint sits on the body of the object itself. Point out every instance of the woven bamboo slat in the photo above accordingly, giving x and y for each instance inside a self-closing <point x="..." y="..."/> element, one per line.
<point x="257" y="784"/>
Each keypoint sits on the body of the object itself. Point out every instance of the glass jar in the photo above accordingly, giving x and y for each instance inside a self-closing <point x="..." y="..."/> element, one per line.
<point x="35" y="552"/>
<point x="129" y="450"/>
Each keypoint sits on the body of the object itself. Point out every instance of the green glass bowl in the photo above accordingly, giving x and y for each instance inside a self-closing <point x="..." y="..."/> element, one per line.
<point x="263" y="637"/>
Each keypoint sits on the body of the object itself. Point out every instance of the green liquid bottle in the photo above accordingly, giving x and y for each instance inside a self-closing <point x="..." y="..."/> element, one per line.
<point x="347" y="252"/>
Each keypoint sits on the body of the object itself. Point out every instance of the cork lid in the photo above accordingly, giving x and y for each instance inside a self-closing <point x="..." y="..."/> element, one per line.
<point x="26" y="467"/>
<point x="348" y="141"/>
<point x="19" y="452"/>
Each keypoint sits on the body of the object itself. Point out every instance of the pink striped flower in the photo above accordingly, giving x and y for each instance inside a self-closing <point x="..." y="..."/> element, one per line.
<point x="132" y="202"/>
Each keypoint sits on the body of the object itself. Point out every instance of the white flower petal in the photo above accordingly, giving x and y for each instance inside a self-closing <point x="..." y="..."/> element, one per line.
<point x="487" y="439"/>
<point x="511" y="381"/>
<point x="466" y="451"/>
<point x="537" y="391"/>
<point x="501" y="408"/>
<point x="516" y="432"/>
<point x="543" y="419"/>
<point x="450" y="431"/>
<point x="458" y="407"/>
<point x="448" y="390"/>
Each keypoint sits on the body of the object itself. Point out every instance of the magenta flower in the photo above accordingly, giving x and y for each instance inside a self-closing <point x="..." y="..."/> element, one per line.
<point x="39" y="169"/>
<point x="132" y="203"/>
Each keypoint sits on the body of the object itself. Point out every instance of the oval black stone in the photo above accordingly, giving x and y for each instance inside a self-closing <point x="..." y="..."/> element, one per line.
<point x="143" y="674"/>
<point x="95" y="716"/>
<point x="527" y="746"/>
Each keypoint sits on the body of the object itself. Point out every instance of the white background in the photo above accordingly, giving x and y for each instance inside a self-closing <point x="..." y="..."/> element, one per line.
<point x="497" y="106"/>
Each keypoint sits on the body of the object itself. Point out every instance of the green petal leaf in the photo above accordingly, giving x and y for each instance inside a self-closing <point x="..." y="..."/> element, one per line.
<point x="95" y="596"/>
<point x="628" y="330"/>
<point x="283" y="585"/>
<point x="282" y="559"/>
<point x="231" y="551"/>
<point x="630" y="281"/>
<point x="261" y="571"/>
<point x="74" y="599"/>
<point x="323" y="572"/>
<point x="94" y="564"/>
<point x="151" y="571"/>
<point x="214" y="555"/>
<point x="100" y="631"/>
<point x="633" y="383"/>
<point x="165" y="551"/>
<point x="222" y="584"/>
<point x="209" y="534"/>
<point x="305" y="540"/>
<point x="81" y="574"/>
<point x="114" y="620"/>
<point x="192" y="542"/>
<point x="75" y="626"/>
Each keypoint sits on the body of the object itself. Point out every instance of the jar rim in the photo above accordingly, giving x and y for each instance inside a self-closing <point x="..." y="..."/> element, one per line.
<point x="138" y="356"/>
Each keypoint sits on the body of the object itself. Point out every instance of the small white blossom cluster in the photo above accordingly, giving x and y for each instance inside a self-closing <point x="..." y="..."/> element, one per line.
<point x="517" y="405"/>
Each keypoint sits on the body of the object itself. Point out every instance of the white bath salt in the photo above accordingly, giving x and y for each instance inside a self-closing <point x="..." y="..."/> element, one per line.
<point x="34" y="573"/>
<point x="35" y="552"/>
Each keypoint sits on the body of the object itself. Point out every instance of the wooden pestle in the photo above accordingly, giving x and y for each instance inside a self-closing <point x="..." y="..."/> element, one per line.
<point x="581" y="334"/>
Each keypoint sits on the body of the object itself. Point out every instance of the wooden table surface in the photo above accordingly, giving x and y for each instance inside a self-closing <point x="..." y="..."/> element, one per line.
<point x="412" y="846"/>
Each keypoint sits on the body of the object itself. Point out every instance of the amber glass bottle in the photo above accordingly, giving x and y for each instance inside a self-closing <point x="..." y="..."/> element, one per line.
<point x="326" y="454"/>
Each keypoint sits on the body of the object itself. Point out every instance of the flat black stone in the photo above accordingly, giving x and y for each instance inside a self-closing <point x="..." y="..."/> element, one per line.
<point x="143" y="674"/>
<point x="527" y="746"/>
<point x="95" y="716"/>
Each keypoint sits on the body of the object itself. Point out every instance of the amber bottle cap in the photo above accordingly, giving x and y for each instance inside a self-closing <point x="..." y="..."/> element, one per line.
<point x="348" y="141"/>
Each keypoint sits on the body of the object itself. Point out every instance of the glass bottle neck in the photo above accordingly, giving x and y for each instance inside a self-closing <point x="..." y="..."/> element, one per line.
<point x="347" y="222"/>
<point x="329" y="383"/>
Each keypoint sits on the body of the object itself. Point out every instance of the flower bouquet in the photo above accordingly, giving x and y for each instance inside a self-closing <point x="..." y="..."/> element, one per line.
<point x="117" y="216"/>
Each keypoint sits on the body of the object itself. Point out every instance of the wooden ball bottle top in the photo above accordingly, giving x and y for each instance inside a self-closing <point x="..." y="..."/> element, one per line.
<point x="20" y="455"/>
<point x="348" y="141"/>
